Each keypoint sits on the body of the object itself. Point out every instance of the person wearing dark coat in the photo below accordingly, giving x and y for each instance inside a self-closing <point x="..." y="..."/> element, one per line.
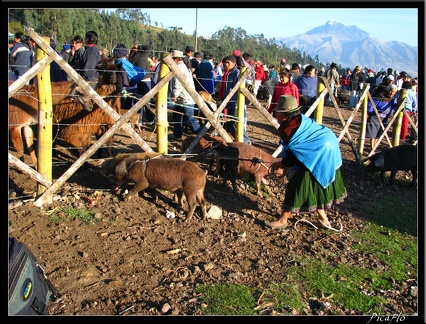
<point x="21" y="56"/>
<point x="66" y="52"/>
<point x="90" y="57"/>
<point x="57" y="74"/>
<point x="143" y="87"/>
<point x="355" y="87"/>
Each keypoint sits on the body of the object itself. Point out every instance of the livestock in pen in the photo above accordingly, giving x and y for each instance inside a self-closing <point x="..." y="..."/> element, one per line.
<point x="149" y="170"/>
<point x="23" y="113"/>
<point x="76" y="126"/>
<point x="241" y="158"/>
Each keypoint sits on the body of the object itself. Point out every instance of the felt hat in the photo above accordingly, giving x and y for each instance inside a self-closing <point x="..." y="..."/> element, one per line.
<point x="189" y="49"/>
<point x="287" y="104"/>
<point x="177" y="53"/>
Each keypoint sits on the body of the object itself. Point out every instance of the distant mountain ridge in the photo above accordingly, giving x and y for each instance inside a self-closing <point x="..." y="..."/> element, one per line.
<point x="350" y="46"/>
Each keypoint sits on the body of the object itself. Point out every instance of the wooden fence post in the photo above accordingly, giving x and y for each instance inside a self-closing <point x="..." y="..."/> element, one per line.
<point x="241" y="102"/>
<point x="398" y="121"/>
<point x="162" y="121"/>
<point x="45" y="114"/>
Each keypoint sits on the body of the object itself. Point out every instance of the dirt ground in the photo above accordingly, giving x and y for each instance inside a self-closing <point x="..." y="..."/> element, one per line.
<point x="136" y="261"/>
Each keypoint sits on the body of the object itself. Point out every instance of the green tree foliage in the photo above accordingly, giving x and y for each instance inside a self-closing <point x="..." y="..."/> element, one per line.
<point x="133" y="26"/>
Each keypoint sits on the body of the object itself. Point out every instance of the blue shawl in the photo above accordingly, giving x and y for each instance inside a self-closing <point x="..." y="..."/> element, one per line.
<point x="134" y="72"/>
<point x="316" y="146"/>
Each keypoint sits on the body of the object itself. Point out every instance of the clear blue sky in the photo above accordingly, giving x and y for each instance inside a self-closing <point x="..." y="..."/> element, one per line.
<point x="398" y="24"/>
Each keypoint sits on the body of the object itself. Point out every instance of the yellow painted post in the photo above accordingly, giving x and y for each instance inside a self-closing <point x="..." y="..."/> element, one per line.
<point x="162" y="123"/>
<point x="44" y="88"/>
<point x="320" y="108"/>
<point x="364" y="116"/>
<point x="241" y="101"/>
<point x="398" y="121"/>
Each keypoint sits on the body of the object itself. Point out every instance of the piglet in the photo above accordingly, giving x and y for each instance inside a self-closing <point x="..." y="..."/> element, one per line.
<point x="238" y="158"/>
<point x="402" y="157"/>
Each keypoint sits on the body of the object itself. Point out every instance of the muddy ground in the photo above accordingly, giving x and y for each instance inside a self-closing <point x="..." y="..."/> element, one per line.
<point x="134" y="260"/>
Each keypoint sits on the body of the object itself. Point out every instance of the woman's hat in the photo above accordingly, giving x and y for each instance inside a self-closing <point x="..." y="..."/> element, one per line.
<point x="287" y="104"/>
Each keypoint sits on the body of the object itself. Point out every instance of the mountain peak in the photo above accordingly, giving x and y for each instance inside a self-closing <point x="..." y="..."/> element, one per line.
<point x="351" y="46"/>
<point x="332" y="21"/>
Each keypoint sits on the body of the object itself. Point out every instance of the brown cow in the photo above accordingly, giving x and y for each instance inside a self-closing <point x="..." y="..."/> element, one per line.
<point x="77" y="126"/>
<point x="237" y="158"/>
<point x="23" y="112"/>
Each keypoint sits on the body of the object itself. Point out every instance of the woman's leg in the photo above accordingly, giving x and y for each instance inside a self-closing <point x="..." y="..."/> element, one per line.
<point x="323" y="217"/>
<point x="282" y="220"/>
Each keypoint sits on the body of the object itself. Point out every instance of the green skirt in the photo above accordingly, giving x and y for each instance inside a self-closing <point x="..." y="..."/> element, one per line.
<point x="305" y="194"/>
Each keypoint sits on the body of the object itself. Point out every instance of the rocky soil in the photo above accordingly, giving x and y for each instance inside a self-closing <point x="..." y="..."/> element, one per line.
<point x="135" y="260"/>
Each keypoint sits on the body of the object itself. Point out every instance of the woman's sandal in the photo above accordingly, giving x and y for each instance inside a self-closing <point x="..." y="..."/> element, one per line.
<point x="320" y="224"/>
<point x="269" y="224"/>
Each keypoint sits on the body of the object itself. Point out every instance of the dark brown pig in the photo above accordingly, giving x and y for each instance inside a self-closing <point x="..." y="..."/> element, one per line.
<point x="174" y="175"/>
<point x="402" y="157"/>
<point x="237" y="158"/>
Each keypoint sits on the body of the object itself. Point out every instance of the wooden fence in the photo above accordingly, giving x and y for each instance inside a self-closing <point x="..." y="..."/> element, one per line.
<point x="168" y="70"/>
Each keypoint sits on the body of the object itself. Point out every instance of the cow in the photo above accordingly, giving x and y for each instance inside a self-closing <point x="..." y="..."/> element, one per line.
<point x="23" y="112"/>
<point x="76" y="126"/>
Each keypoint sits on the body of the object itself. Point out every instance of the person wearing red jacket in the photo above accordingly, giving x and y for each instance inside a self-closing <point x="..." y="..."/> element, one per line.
<point x="284" y="87"/>
<point x="260" y="77"/>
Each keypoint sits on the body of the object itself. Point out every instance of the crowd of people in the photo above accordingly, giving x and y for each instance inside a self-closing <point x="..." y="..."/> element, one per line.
<point x="317" y="184"/>
<point x="217" y="77"/>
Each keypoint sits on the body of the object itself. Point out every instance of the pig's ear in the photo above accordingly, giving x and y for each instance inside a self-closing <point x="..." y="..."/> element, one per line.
<point x="379" y="162"/>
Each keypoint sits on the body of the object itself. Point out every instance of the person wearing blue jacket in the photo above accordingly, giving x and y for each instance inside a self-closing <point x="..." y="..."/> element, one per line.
<point x="314" y="151"/>
<point x="230" y="80"/>
<point x="20" y="57"/>
<point x="307" y="84"/>
<point x="385" y="102"/>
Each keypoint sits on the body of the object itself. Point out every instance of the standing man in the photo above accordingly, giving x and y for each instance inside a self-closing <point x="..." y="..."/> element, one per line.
<point x="333" y="81"/>
<point x="356" y="80"/>
<point x="21" y="56"/>
<point x="229" y="80"/>
<point x="184" y="104"/>
<point x="66" y="52"/>
<point x="189" y="52"/>
<point x="90" y="57"/>
<point x="77" y="50"/>
<point x="205" y="75"/>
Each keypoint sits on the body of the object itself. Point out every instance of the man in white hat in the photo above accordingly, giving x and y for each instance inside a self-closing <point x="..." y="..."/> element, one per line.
<point x="184" y="104"/>
<point x="314" y="150"/>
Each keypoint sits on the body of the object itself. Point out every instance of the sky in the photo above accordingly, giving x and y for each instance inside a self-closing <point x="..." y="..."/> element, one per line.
<point x="277" y="22"/>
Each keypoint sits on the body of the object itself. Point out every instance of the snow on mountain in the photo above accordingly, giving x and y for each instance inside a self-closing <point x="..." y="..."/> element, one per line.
<point x="350" y="46"/>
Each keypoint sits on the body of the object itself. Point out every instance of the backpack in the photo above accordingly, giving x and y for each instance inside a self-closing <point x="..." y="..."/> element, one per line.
<point x="29" y="288"/>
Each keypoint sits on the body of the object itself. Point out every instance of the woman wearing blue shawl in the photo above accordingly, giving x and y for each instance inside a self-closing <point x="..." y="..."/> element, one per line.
<point x="314" y="150"/>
